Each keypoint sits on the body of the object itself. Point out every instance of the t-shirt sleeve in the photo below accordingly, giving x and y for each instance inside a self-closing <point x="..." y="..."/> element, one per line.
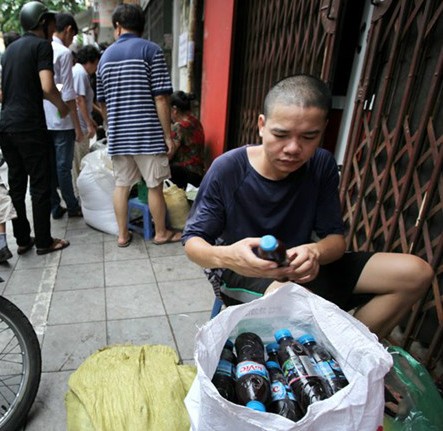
<point x="328" y="219"/>
<point x="160" y="79"/>
<point x="66" y="63"/>
<point x="99" y="88"/>
<point x="45" y="56"/>
<point x="207" y="216"/>
<point x="81" y="82"/>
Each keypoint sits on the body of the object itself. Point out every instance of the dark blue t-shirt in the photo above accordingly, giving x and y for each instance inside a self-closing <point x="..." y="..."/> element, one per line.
<point x="130" y="74"/>
<point x="234" y="202"/>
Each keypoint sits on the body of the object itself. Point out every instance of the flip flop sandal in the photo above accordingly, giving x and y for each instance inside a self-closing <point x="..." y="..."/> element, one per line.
<point x="128" y="241"/>
<point x="168" y="240"/>
<point x="57" y="245"/>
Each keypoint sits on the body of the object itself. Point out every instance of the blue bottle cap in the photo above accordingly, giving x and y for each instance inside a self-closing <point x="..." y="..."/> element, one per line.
<point x="268" y="243"/>
<point x="272" y="364"/>
<point x="282" y="333"/>
<point x="256" y="405"/>
<point x="306" y="338"/>
<point x="272" y="348"/>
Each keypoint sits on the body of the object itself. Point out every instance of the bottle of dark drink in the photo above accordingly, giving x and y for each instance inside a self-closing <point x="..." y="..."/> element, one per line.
<point x="272" y="351"/>
<point x="271" y="248"/>
<point x="224" y="376"/>
<point x="252" y="378"/>
<point x="282" y="399"/>
<point x="326" y="365"/>
<point x="307" y="386"/>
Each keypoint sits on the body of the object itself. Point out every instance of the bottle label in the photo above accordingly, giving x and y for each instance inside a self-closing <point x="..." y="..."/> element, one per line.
<point x="225" y="368"/>
<point x="278" y="391"/>
<point x="337" y="369"/>
<point x="290" y="393"/>
<point x="324" y="370"/>
<point x="293" y="369"/>
<point x="251" y="367"/>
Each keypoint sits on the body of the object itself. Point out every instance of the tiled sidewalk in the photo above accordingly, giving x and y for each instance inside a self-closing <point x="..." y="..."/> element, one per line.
<point x="94" y="294"/>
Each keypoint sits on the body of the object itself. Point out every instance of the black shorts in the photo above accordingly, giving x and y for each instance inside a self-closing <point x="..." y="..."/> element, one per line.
<point x="335" y="282"/>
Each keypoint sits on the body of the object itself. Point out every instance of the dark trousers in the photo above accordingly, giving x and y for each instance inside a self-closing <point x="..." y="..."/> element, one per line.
<point x="29" y="154"/>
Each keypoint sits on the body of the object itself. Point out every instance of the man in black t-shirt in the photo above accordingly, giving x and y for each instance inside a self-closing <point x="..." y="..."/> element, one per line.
<point x="288" y="187"/>
<point x="27" y="78"/>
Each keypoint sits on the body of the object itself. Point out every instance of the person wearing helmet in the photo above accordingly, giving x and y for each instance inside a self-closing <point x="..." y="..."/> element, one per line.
<point x="35" y="15"/>
<point x="28" y="78"/>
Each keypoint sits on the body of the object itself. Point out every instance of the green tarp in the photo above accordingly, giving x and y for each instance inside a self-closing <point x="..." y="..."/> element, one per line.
<point x="129" y="388"/>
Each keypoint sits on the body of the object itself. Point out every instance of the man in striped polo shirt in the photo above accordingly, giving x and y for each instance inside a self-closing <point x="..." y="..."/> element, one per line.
<point x="133" y="87"/>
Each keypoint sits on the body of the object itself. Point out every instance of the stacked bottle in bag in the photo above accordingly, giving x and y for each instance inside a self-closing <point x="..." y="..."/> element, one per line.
<point x="296" y="374"/>
<point x="307" y="385"/>
<point x="325" y="363"/>
<point x="224" y="376"/>
<point x="283" y="401"/>
<point x="252" y="378"/>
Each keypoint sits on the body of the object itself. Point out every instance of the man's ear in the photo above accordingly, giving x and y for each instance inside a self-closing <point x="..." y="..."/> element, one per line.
<point x="261" y="124"/>
<point x="118" y="29"/>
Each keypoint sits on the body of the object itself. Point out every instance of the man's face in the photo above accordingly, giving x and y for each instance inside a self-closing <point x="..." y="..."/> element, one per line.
<point x="290" y="135"/>
<point x="50" y="29"/>
<point x="68" y="36"/>
<point x="91" y="66"/>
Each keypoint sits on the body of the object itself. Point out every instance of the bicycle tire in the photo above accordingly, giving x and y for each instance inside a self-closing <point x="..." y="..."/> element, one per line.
<point x="20" y="366"/>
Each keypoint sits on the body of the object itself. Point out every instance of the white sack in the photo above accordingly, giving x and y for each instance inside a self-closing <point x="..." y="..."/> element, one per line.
<point x="358" y="406"/>
<point x="96" y="188"/>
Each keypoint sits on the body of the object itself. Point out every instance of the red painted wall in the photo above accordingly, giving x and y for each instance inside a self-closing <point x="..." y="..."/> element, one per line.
<point x="217" y="43"/>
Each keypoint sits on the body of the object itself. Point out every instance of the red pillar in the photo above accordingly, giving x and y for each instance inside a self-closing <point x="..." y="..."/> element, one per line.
<point x="217" y="46"/>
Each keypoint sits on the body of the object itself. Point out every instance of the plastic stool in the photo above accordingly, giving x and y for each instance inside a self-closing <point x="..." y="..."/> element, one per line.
<point x="218" y="303"/>
<point x="146" y="229"/>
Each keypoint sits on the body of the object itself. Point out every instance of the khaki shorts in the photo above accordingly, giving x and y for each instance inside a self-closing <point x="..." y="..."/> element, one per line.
<point x="128" y="170"/>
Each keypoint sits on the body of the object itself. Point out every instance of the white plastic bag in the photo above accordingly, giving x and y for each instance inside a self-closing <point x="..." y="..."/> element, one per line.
<point x="96" y="188"/>
<point x="358" y="406"/>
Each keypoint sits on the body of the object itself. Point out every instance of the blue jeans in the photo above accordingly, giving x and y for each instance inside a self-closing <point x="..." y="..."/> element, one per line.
<point x="64" y="141"/>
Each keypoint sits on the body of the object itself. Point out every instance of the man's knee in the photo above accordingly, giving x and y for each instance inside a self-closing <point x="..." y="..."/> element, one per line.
<point x="420" y="274"/>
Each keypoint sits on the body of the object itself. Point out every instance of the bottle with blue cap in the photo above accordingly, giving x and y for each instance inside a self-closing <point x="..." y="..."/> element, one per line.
<point x="224" y="375"/>
<point x="297" y="367"/>
<point x="272" y="351"/>
<point x="325" y="363"/>
<point x="271" y="248"/>
<point x="282" y="399"/>
<point x="252" y="378"/>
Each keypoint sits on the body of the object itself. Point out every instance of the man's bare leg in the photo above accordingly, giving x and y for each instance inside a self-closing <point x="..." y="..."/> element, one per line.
<point x="398" y="281"/>
<point x="121" y="195"/>
<point x="274" y="286"/>
<point x="157" y="207"/>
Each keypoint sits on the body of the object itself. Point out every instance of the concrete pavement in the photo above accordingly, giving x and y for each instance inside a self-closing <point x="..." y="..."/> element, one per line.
<point x="94" y="294"/>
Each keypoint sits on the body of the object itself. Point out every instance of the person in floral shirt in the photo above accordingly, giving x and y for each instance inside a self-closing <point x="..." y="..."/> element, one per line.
<point x="187" y="162"/>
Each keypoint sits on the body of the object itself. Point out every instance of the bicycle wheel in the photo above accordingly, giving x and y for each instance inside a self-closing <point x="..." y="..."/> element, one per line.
<point x="20" y="366"/>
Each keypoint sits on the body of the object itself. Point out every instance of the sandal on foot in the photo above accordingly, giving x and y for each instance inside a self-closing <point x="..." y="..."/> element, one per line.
<point x="169" y="239"/>
<point x="22" y="249"/>
<point x="127" y="242"/>
<point x="57" y="245"/>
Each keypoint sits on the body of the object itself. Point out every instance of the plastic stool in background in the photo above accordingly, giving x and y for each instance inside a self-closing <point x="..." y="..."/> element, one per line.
<point x="218" y="303"/>
<point x="144" y="224"/>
